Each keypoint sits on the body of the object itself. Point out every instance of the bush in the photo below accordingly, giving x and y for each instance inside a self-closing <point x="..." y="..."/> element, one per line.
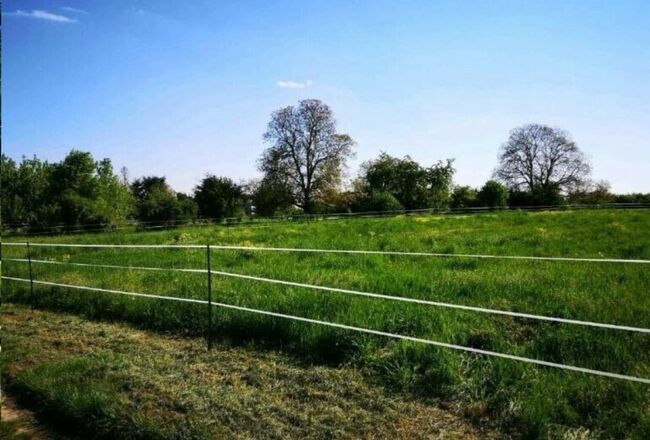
<point x="379" y="201"/>
<point x="463" y="197"/>
<point x="219" y="197"/>
<point x="493" y="194"/>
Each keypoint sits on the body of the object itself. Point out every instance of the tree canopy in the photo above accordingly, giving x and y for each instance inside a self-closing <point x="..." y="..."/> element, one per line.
<point x="219" y="197"/>
<point x="74" y="192"/>
<point x="307" y="154"/>
<point x="411" y="184"/>
<point x="157" y="203"/>
<point x="541" y="159"/>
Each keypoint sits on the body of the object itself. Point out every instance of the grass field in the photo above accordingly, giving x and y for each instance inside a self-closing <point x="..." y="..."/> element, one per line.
<point x="111" y="381"/>
<point x="524" y="399"/>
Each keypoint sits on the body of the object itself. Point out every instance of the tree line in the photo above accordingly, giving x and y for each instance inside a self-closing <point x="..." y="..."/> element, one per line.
<point x="302" y="172"/>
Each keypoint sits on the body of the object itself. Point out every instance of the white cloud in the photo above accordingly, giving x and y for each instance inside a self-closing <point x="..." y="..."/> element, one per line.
<point x="293" y="84"/>
<point x="40" y="15"/>
<point x="73" y="10"/>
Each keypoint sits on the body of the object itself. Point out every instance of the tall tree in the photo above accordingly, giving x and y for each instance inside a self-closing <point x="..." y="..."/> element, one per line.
<point x="539" y="159"/>
<point x="306" y="151"/>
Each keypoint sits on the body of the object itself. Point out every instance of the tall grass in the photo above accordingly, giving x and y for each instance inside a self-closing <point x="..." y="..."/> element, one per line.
<point x="531" y="400"/>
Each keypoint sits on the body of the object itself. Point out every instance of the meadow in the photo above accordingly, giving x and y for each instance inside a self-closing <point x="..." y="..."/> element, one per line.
<point x="522" y="399"/>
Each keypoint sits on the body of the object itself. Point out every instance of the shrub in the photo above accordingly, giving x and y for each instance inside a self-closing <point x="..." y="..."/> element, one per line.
<point x="463" y="197"/>
<point x="493" y="194"/>
<point x="379" y="201"/>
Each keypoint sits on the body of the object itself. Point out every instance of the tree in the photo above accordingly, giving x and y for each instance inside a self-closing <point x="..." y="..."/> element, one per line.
<point x="10" y="200"/>
<point x="493" y="194"/>
<point x="219" y="197"/>
<point x="411" y="184"/>
<point x="463" y="197"/>
<point x="591" y="193"/>
<point x="188" y="207"/>
<point x="306" y="151"/>
<point x="76" y="192"/>
<point x="157" y="203"/>
<point x="270" y="196"/>
<point x="541" y="159"/>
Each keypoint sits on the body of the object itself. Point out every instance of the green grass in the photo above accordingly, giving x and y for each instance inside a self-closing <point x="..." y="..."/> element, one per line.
<point x="107" y="381"/>
<point x="530" y="400"/>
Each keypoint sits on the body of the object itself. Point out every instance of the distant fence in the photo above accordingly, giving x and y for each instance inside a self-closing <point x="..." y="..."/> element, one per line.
<point x="26" y="229"/>
<point x="210" y="304"/>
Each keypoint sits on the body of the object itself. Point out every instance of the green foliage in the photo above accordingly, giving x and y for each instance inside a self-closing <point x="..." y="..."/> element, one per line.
<point x="219" y="197"/>
<point x="379" y="201"/>
<point x="157" y="203"/>
<point x="463" y="197"/>
<point x="411" y="184"/>
<point x="271" y="196"/>
<point x="493" y="194"/>
<point x="631" y="198"/>
<point x="532" y="400"/>
<point x="74" y="192"/>
<point x="540" y="196"/>
<point x="306" y="154"/>
<point x="596" y="193"/>
<point x="109" y="380"/>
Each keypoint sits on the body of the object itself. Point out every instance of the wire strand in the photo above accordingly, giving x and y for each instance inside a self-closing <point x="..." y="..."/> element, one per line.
<point x="354" y="328"/>
<point x="358" y="293"/>
<point x="336" y="251"/>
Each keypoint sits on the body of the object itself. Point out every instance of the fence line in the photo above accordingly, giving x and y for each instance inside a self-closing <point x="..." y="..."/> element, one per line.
<point x="356" y="293"/>
<point x="354" y="328"/>
<point x="262" y="222"/>
<point x="293" y="217"/>
<point x="336" y="251"/>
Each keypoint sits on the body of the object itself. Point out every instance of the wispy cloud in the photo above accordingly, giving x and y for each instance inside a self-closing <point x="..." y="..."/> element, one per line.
<point x="73" y="10"/>
<point x="40" y="15"/>
<point x="293" y="84"/>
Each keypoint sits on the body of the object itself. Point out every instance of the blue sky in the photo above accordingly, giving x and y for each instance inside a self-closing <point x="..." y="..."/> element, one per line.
<point x="184" y="88"/>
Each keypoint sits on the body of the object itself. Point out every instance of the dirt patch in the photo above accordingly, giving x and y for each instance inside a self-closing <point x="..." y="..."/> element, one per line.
<point x="20" y="423"/>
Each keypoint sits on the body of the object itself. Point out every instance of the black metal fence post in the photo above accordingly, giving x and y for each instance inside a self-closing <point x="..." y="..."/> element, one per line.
<point x="31" y="276"/>
<point x="209" y="335"/>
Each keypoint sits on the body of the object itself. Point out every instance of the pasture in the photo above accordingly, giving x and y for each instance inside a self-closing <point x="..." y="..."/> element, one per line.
<point x="523" y="399"/>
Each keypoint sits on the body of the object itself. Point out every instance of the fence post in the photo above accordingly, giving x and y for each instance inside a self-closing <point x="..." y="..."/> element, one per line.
<point x="31" y="276"/>
<point x="209" y="335"/>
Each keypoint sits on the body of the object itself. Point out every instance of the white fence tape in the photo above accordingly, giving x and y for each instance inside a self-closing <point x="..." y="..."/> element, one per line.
<point x="356" y="329"/>
<point x="357" y="293"/>
<point x="335" y="251"/>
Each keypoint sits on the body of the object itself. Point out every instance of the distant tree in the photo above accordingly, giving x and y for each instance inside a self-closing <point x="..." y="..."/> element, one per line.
<point x="306" y="151"/>
<point x="81" y="191"/>
<point x="144" y="186"/>
<point x="10" y="200"/>
<point x="114" y="200"/>
<point x="591" y="193"/>
<point x="631" y="198"/>
<point x="219" y="197"/>
<point x="188" y="207"/>
<point x="78" y="191"/>
<point x="439" y="181"/>
<point x="463" y="197"/>
<point x="493" y="194"/>
<point x="542" y="160"/>
<point x="156" y="202"/>
<point x="25" y="192"/>
<point x="411" y="184"/>
<point x="379" y="202"/>
<point x="271" y="196"/>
